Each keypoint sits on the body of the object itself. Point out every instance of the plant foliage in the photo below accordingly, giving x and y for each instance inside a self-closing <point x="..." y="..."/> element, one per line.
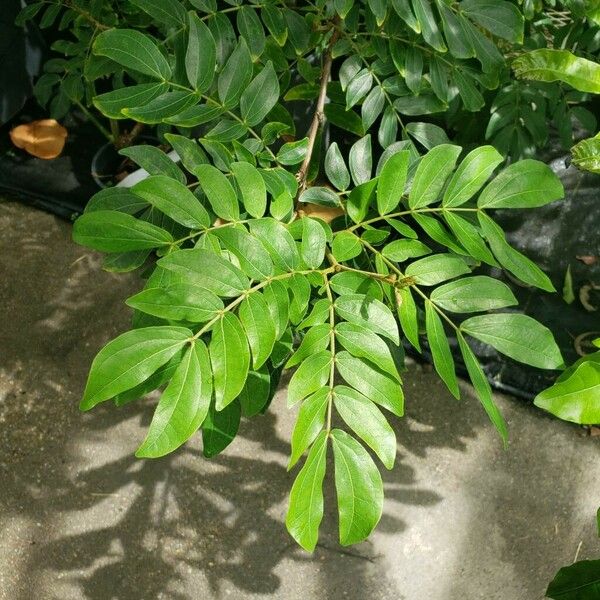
<point x="267" y="247"/>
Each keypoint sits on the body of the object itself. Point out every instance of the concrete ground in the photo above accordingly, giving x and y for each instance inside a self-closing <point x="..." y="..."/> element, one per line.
<point x="80" y="517"/>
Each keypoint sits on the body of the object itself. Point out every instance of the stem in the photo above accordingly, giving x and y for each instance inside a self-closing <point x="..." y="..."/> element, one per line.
<point x="331" y="347"/>
<point x="233" y="304"/>
<point x="423" y="295"/>
<point x="319" y="114"/>
<point x="403" y="213"/>
<point x="127" y="138"/>
<point x="85" y="14"/>
<point x="114" y="130"/>
<point x="227" y="112"/>
<point x="191" y="236"/>
<point x="105" y="132"/>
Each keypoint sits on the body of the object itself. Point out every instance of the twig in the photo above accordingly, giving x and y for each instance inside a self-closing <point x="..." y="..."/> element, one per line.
<point x="371" y="559"/>
<point x="578" y="551"/>
<point x="319" y="115"/>
<point x="127" y="139"/>
<point x="105" y="132"/>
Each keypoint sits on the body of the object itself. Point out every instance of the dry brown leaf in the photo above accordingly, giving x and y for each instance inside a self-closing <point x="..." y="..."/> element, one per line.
<point x="325" y="213"/>
<point x="588" y="260"/>
<point x="44" y="138"/>
<point x="585" y="296"/>
<point x="583" y="343"/>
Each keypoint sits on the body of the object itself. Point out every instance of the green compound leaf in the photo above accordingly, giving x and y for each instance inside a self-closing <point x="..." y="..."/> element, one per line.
<point x="179" y="302"/>
<point x="220" y="428"/>
<point x="517" y="336"/>
<point x="219" y="191"/>
<point x="252" y="187"/>
<point x="112" y="231"/>
<point x="525" y="184"/>
<point x="205" y="269"/>
<point x="133" y="50"/>
<point x="559" y="65"/>
<point x="310" y="422"/>
<point x="183" y="405"/>
<point x="359" y="488"/>
<point x="201" y="54"/>
<point x="576" y="398"/>
<point x="371" y="382"/>
<point x="433" y="170"/>
<point x="473" y="294"/>
<point x="482" y="388"/>
<point x="260" y="329"/>
<point x="305" y="511"/>
<point x="173" y="199"/>
<point x="130" y="359"/>
<point x="311" y="375"/>
<point x="370" y="313"/>
<point x="230" y="359"/>
<point x="471" y="175"/>
<point x="392" y="180"/>
<point x="440" y="349"/>
<point x="367" y="421"/>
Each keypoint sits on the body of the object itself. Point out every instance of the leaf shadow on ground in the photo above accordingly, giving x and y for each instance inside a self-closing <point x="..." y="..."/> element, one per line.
<point x="132" y="529"/>
<point x="101" y="524"/>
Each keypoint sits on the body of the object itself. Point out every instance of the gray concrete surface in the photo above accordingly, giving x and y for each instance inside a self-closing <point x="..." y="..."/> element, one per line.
<point x="80" y="517"/>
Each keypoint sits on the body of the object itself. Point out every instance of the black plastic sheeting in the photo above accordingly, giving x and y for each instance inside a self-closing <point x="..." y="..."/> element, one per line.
<point x="62" y="185"/>
<point x="20" y="60"/>
<point x="553" y="236"/>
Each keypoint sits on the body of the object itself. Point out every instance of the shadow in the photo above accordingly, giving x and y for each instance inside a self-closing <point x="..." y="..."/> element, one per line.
<point x="99" y="523"/>
<point x="82" y="518"/>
